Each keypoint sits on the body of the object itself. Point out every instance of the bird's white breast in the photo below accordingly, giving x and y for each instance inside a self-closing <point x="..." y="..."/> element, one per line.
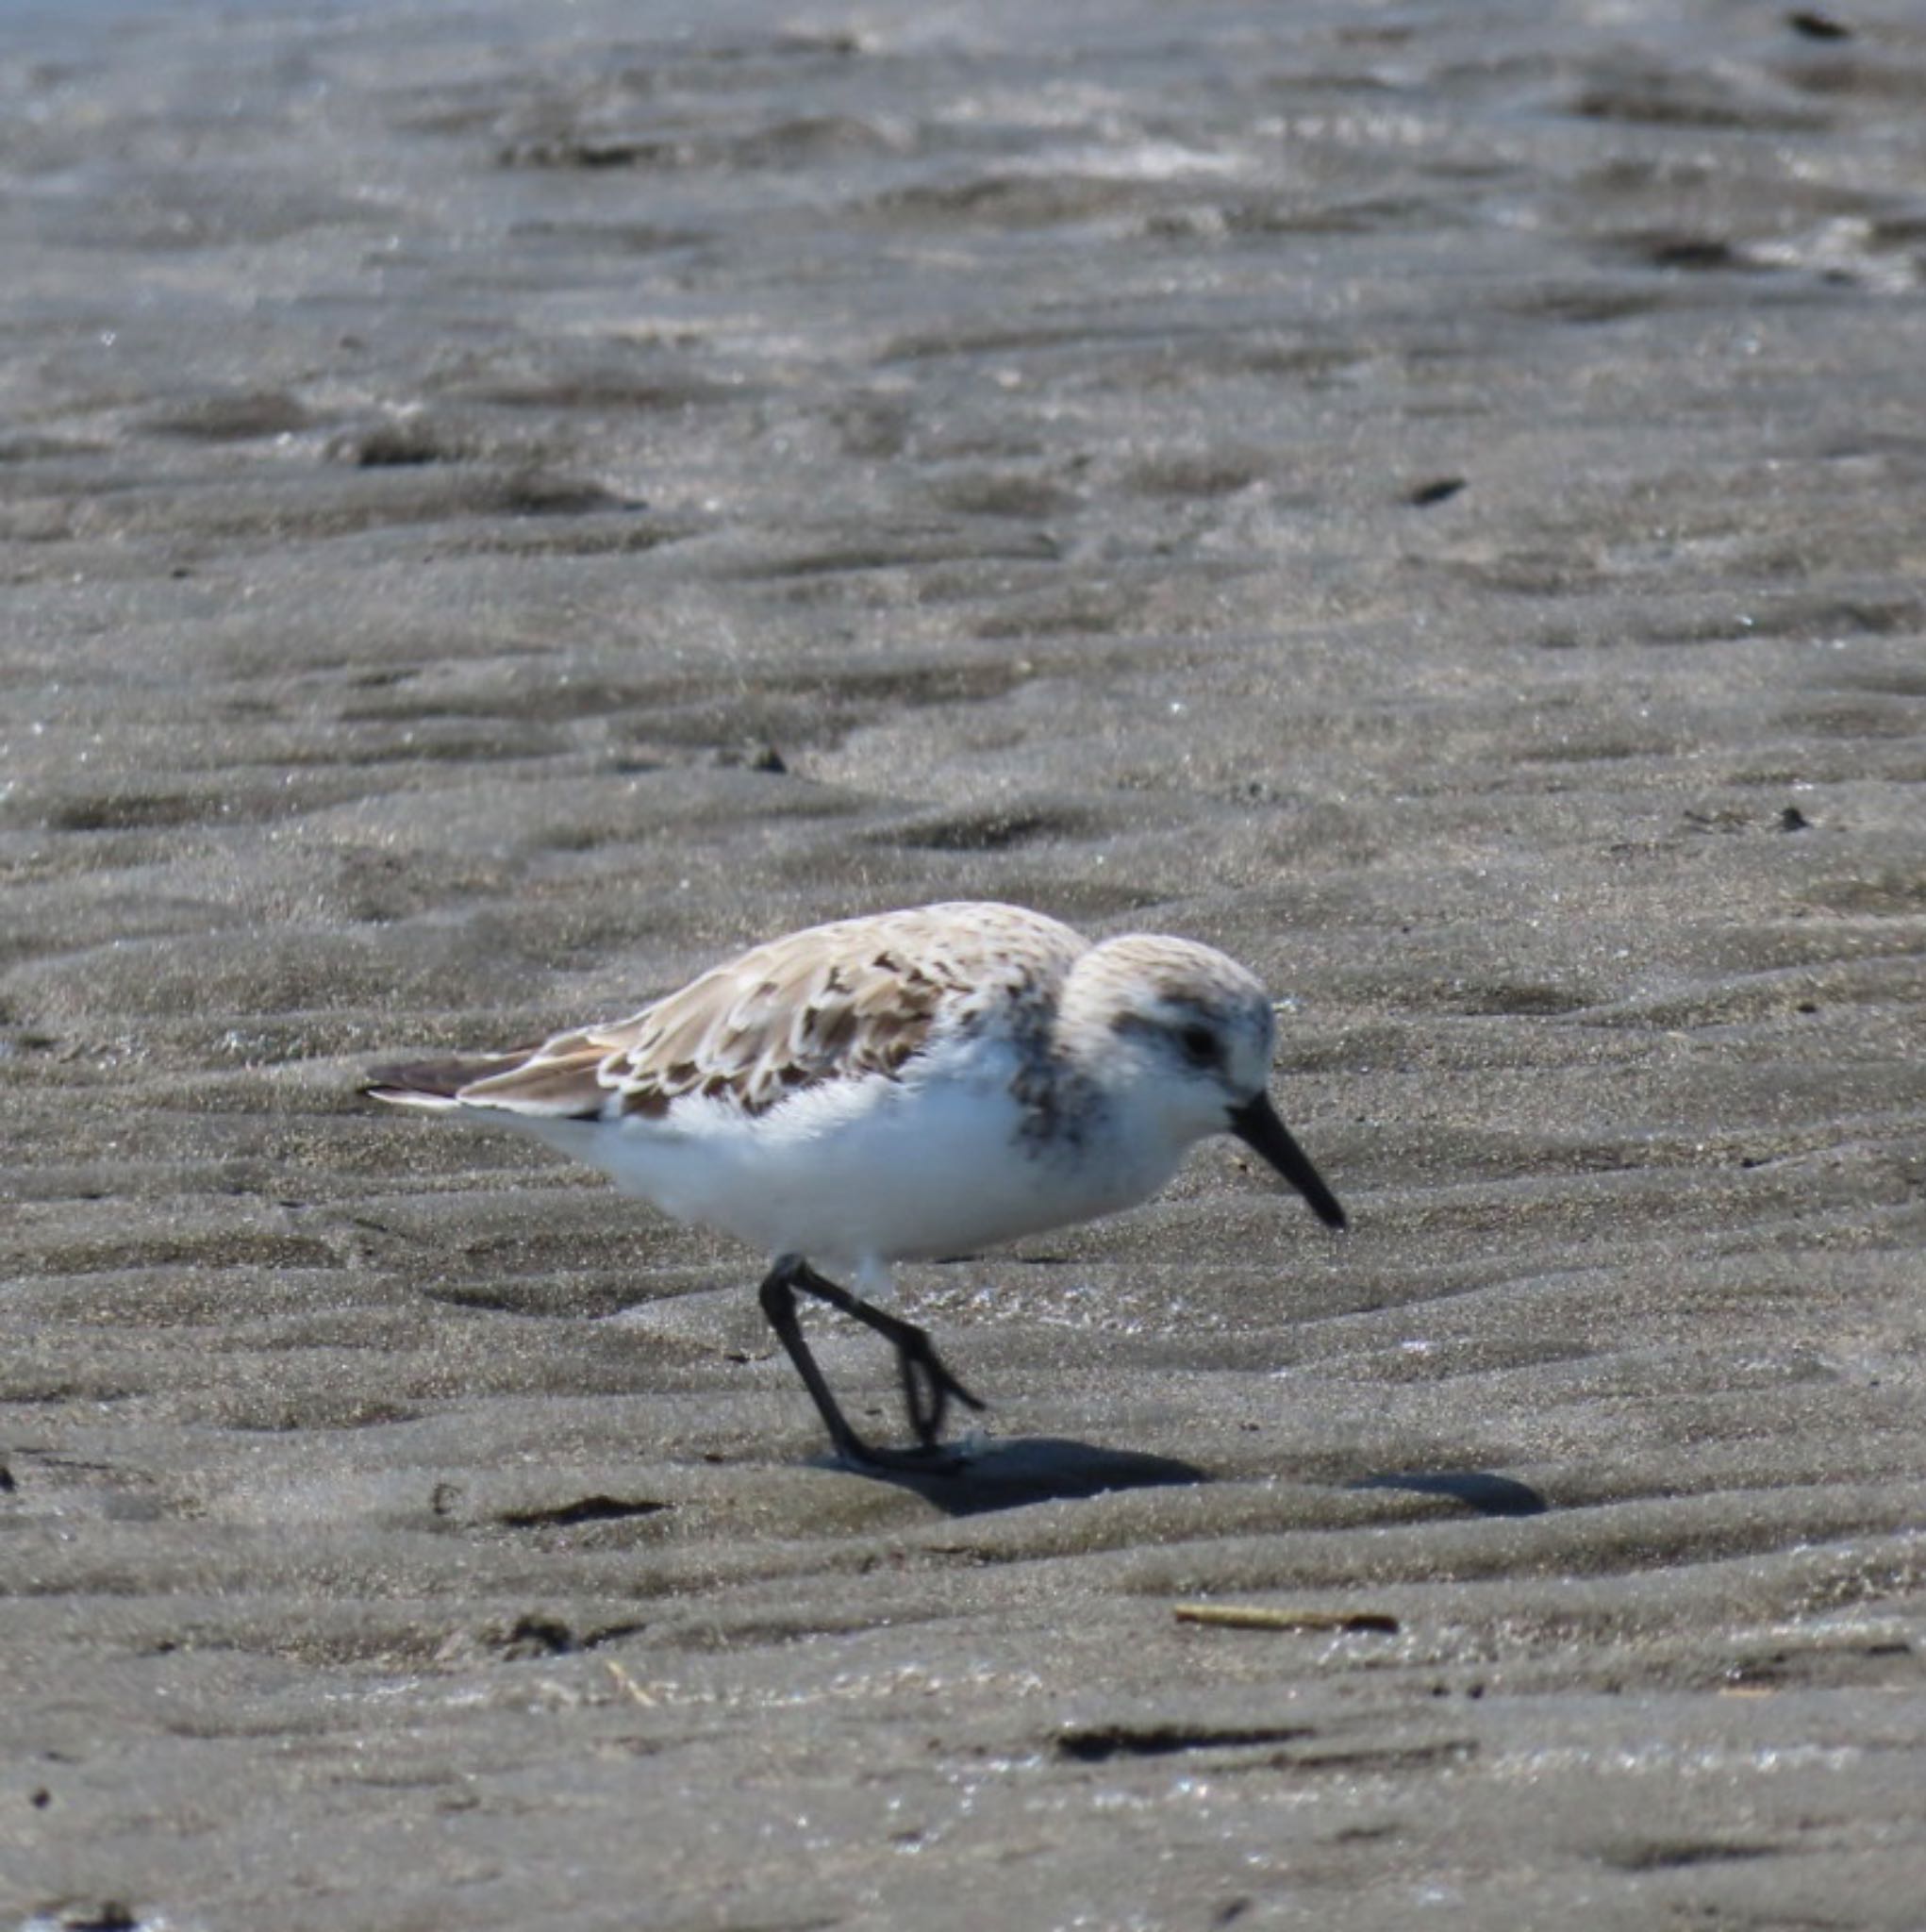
<point x="878" y="1169"/>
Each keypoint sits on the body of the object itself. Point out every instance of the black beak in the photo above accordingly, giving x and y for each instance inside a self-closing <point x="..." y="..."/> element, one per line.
<point x="1256" y="1125"/>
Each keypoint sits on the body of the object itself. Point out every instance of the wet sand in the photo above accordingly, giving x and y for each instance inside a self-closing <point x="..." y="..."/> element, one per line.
<point x="499" y="506"/>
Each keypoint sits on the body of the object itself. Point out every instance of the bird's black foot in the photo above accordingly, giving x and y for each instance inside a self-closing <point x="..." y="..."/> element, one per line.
<point x="927" y="1384"/>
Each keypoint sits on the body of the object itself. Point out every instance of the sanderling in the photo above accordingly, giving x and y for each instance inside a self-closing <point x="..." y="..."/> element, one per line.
<point x="901" y="1087"/>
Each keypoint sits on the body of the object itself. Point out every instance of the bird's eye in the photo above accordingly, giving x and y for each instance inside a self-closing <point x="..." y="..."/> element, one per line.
<point x="1200" y="1045"/>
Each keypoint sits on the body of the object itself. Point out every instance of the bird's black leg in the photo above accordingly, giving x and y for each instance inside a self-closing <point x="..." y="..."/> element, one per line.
<point x="927" y="1384"/>
<point x="778" y="1298"/>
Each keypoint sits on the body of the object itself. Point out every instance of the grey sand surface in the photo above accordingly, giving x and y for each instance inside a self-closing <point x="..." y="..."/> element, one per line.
<point x="500" y="506"/>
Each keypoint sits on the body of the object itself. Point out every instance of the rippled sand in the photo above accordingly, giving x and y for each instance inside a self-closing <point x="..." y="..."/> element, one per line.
<point x="500" y="505"/>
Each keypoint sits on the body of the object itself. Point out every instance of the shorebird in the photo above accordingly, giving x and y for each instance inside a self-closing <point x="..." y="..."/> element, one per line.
<point x="903" y="1086"/>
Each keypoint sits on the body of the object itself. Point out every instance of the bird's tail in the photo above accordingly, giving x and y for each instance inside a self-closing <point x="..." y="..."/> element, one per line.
<point x="435" y="1085"/>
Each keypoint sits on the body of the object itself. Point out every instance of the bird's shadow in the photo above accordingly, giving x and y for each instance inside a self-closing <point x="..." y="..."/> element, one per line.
<point x="1033" y="1469"/>
<point x="1053" y="1469"/>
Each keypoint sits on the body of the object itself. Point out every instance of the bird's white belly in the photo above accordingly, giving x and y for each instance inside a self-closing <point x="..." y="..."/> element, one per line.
<point x="889" y="1172"/>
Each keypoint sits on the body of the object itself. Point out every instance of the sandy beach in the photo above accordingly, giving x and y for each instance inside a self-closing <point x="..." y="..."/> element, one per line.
<point x="501" y="505"/>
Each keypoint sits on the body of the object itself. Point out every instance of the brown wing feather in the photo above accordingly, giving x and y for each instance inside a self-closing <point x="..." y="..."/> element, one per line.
<point x="782" y="1018"/>
<point x="836" y="1002"/>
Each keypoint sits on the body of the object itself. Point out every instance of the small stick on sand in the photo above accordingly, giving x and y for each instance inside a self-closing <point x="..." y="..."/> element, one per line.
<point x="1261" y="1617"/>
